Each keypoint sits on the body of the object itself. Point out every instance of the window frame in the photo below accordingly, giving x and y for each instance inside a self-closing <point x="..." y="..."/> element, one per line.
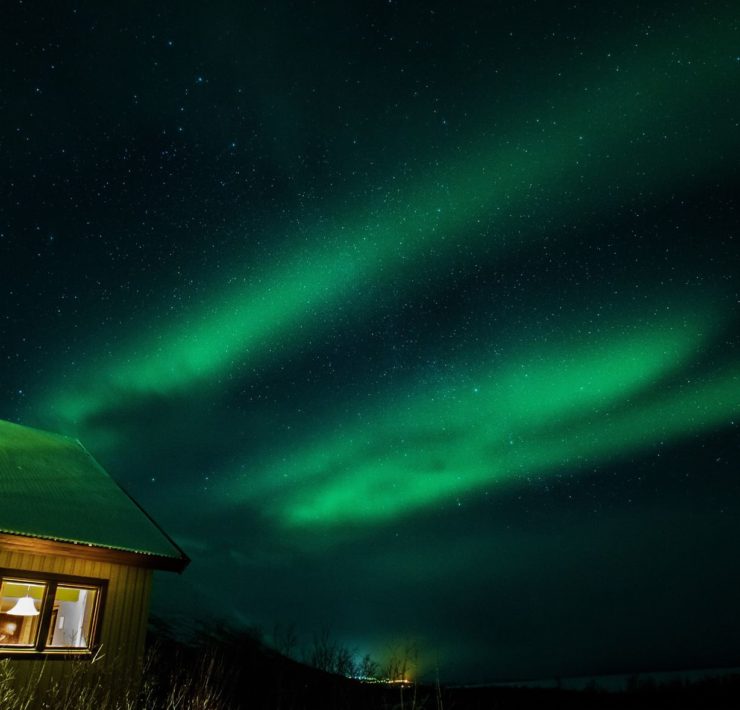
<point x="51" y="581"/>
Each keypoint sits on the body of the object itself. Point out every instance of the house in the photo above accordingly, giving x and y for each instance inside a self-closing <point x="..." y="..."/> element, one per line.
<point x="77" y="555"/>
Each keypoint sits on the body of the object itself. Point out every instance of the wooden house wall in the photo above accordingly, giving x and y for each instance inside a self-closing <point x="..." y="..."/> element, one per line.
<point x="125" y="611"/>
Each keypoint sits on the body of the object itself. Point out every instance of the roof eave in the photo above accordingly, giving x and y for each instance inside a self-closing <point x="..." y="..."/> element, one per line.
<point x="38" y="545"/>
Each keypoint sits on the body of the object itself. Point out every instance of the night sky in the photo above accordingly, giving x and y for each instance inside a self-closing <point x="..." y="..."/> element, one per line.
<point x="416" y="320"/>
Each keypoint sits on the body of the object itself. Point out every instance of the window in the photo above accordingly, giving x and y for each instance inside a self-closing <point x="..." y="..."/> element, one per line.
<point x="19" y="613"/>
<point x="48" y="613"/>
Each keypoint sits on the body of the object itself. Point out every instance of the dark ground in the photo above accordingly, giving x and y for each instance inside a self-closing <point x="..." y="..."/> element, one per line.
<point x="247" y="674"/>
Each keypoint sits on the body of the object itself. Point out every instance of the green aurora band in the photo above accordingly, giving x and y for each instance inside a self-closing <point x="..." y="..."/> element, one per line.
<point x="570" y="155"/>
<point x="557" y="410"/>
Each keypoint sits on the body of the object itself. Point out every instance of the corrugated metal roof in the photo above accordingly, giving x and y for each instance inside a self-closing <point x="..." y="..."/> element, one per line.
<point x="51" y="487"/>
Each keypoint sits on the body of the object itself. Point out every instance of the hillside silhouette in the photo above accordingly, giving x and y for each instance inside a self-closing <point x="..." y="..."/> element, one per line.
<point x="246" y="673"/>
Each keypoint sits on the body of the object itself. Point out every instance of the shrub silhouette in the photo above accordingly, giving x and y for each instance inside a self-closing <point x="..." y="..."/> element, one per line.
<point x="225" y="669"/>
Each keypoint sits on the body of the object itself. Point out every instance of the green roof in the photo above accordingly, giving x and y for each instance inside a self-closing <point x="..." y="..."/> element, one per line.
<point x="52" y="488"/>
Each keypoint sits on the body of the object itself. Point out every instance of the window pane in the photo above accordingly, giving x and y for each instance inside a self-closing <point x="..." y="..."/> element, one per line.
<point x="20" y="603"/>
<point x="72" y="617"/>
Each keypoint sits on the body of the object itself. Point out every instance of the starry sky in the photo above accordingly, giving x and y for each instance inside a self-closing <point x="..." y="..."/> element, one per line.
<point x="416" y="320"/>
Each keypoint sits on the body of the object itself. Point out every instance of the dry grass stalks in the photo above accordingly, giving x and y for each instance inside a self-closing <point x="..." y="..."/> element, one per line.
<point x="86" y="684"/>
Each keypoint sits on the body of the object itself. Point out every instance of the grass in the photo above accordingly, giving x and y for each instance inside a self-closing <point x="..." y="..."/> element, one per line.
<point x="226" y="670"/>
<point x="167" y="682"/>
<point x="218" y="671"/>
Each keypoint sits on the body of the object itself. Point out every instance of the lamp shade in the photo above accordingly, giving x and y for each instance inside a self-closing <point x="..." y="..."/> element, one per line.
<point x="24" y="607"/>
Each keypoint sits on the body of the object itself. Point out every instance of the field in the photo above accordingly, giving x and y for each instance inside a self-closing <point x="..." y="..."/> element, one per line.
<point x="237" y="671"/>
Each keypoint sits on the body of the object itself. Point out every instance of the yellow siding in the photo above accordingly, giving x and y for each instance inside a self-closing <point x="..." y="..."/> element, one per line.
<point x="124" y="618"/>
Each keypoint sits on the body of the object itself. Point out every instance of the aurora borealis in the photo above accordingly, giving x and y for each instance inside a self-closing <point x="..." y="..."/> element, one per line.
<point x="417" y="320"/>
